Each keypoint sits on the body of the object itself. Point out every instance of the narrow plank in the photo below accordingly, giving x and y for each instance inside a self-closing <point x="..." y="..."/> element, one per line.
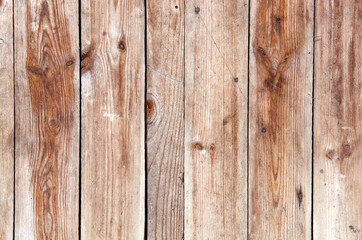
<point x="281" y="68"/>
<point x="165" y="119"/>
<point x="6" y="120"/>
<point x="216" y="53"/>
<point x="337" y="124"/>
<point x="113" y="124"/>
<point x="47" y="119"/>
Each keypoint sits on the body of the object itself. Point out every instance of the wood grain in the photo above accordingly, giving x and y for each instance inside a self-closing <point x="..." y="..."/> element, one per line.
<point x="165" y="119"/>
<point x="281" y="63"/>
<point x="113" y="126"/>
<point x="6" y="121"/>
<point x="47" y="119"/>
<point x="216" y="55"/>
<point x="337" y="124"/>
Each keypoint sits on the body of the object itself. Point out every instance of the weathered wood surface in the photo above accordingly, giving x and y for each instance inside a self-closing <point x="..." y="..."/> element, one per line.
<point x="165" y="119"/>
<point x="281" y="68"/>
<point x="6" y="121"/>
<point x="47" y="119"/>
<point x="337" y="120"/>
<point x="216" y="55"/>
<point x="113" y="126"/>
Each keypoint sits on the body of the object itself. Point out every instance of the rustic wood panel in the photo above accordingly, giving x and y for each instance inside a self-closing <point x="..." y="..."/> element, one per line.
<point x="47" y="119"/>
<point x="6" y="121"/>
<point x="216" y="53"/>
<point x="113" y="93"/>
<point x="337" y="121"/>
<point x="165" y="119"/>
<point x="281" y="66"/>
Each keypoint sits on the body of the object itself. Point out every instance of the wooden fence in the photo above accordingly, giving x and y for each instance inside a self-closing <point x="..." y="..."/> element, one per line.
<point x="181" y="119"/>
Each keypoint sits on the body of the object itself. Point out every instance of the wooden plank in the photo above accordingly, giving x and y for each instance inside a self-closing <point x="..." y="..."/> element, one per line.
<point x="165" y="119"/>
<point x="113" y="124"/>
<point x="216" y="46"/>
<point x="337" y="124"/>
<point x="47" y="119"/>
<point x="281" y="66"/>
<point x="6" y="121"/>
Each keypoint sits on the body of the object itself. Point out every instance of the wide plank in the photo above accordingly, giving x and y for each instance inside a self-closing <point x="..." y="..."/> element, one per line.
<point x="113" y="124"/>
<point x="216" y="82"/>
<point x="47" y="119"/>
<point x="337" y="121"/>
<point x="165" y="119"/>
<point x="6" y="121"/>
<point x="281" y="77"/>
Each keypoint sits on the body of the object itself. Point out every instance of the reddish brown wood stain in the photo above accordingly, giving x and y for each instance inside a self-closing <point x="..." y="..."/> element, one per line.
<point x="50" y="73"/>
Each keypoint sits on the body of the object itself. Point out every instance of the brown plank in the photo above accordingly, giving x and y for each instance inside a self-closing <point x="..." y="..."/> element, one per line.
<point x="216" y="55"/>
<point x="165" y="119"/>
<point x="113" y="90"/>
<point x="47" y="119"/>
<point x="6" y="121"/>
<point x="337" y="121"/>
<point x="281" y="63"/>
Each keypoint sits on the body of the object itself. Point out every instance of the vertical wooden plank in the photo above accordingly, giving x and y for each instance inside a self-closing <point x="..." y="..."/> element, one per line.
<point x="165" y="119"/>
<point x="216" y="53"/>
<point x="113" y="91"/>
<point x="6" y="120"/>
<point x="47" y="119"/>
<point x="281" y="65"/>
<point x="337" y="121"/>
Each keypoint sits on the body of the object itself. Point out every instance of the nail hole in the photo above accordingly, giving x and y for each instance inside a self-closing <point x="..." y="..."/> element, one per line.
<point x="263" y="130"/>
<point x="236" y="79"/>
<point x="176" y="7"/>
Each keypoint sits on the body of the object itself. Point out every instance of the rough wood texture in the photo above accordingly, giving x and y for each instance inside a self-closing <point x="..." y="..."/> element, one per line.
<point x="337" y="121"/>
<point x="281" y="63"/>
<point x="165" y="119"/>
<point x="113" y="90"/>
<point x="216" y="119"/>
<point x="47" y="119"/>
<point x="6" y="121"/>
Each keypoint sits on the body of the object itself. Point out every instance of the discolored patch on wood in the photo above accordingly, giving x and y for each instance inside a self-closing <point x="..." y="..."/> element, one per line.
<point x="51" y="84"/>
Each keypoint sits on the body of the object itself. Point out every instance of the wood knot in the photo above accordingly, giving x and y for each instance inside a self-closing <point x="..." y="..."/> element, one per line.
<point x="345" y="151"/>
<point x="122" y="45"/>
<point x="151" y="109"/>
<point x="261" y="51"/>
<point x="70" y="63"/>
<point x="198" y="146"/>
<point x="86" y="61"/>
<point x="212" y="147"/>
<point x="197" y="10"/>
